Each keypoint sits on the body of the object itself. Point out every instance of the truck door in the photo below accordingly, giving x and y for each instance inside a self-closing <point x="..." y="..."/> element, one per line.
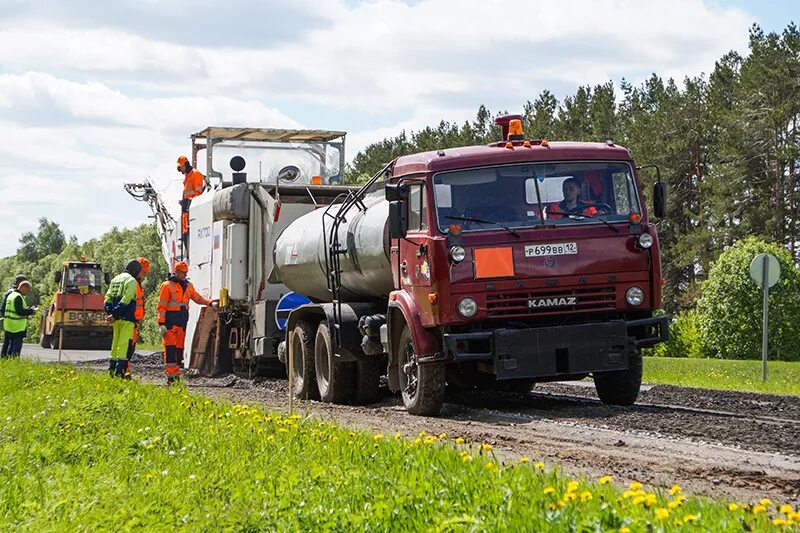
<point x="415" y="255"/>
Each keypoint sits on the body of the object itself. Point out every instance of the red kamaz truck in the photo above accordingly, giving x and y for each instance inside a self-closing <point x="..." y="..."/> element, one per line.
<point x="478" y="267"/>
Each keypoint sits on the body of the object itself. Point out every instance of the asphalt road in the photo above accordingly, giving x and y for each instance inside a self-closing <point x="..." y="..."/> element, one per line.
<point x="37" y="353"/>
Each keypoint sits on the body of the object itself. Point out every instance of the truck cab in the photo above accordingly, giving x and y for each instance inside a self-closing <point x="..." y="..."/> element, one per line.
<point x="523" y="261"/>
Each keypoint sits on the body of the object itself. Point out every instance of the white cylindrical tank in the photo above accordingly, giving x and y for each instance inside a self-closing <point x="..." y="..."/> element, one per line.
<point x="234" y="276"/>
<point x="300" y="253"/>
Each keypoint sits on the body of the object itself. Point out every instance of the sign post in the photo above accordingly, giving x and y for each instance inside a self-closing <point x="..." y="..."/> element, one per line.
<point x="765" y="272"/>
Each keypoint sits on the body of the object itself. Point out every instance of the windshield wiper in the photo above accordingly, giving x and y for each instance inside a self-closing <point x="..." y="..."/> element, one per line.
<point x="574" y="216"/>
<point x="481" y="221"/>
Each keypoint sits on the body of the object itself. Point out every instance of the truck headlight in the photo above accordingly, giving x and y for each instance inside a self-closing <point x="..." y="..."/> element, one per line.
<point x="634" y="296"/>
<point x="458" y="254"/>
<point x="645" y="241"/>
<point x="467" y="307"/>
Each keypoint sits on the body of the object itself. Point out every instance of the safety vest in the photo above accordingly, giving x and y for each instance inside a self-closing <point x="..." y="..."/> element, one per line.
<point x="120" y="297"/>
<point x="12" y="322"/>
<point x="173" y="302"/>
<point x="138" y="314"/>
<point x="193" y="183"/>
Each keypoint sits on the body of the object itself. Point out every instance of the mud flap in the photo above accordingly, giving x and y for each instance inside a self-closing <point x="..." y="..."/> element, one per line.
<point x="206" y="356"/>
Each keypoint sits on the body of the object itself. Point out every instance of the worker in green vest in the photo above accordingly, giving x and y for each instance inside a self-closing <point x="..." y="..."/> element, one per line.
<point x="15" y="319"/>
<point x="19" y="279"/>
<point x="120" y="304"/>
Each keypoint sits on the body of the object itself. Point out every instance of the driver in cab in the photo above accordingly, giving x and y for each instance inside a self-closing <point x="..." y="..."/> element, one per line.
<point x="572" y="203"/>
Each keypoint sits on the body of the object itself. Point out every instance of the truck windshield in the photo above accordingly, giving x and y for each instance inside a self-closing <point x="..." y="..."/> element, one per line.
<point x="527" y="195"/>
<point x="78" y="277"/>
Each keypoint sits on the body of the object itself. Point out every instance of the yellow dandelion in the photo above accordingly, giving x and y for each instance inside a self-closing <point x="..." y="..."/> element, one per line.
<point x="605" y="480"/>
<point x="650" y="499"/>
<point x="560" y="504"/>
<point x="635" y="485"/>
<point x="398" y="436"/>
<point x="572" y="486"/>
<point x="628" y="494"/>
<point x="549" y="490"/>
<point x="442" y="435"/>
<point x="460" y="440"/>
<point x="780" y="522"/>
<point x="485" y="447"/>
<point x="765" y="502"/>
<point x="786" y="509"/>
<point x="689" y="518"/>
<point x="662" y="514"/>
<point x="570" y="496"/>
<point x="524" y="459"/>
<point x="625" y="530"/>
<point x="673" y="505"/>
<point x="732" y="507"/>
<point x="377" y="436"/>
<point x="466" y="458"/>
<point x="586" y="496"/>
<point x="638" y="500"/>
<point x="489" y="465"/>
<point x="675" y="489"/>
<point x="758" y="509"/>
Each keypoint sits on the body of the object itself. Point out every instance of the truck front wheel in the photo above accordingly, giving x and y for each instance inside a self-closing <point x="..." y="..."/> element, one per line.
<point x="334" y="378"/>
<point x="422" y="386"/>
<point x="301" y="350"/>
<point x="620" y="387"/>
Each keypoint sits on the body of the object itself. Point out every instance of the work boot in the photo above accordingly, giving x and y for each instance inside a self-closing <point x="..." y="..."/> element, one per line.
<point x="170" y="380"/>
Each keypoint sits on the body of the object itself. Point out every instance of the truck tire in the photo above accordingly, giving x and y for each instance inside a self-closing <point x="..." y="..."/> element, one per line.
<point x="422" y="386"/>
<point x="44" y="340"/>
<point x="334" y="378"/>
<point x="620" y="387"/>
<point x="54" y="338"/>
<point x="301" y="349"/>
<point x="368" y="378"/>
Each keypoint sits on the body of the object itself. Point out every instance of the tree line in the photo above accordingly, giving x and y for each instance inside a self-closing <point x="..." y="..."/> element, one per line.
<point x="727" y="144"/>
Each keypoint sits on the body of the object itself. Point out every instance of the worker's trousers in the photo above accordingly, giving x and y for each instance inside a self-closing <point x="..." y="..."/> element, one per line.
<point x="12" y="344"/>
<point x="131" y="350"/>
<point x="123" y="333"/>
<point x="173" y="352"/>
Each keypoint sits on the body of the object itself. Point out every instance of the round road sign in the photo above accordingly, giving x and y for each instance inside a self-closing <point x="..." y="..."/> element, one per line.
<point x="286" y="304"/>
<point x="773" y="269"/>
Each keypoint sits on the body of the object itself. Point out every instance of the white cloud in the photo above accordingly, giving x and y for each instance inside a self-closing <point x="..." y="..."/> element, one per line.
<point x="91" y="105"/>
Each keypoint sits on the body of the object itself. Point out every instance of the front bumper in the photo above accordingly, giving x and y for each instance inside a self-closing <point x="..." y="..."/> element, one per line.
<point x="557" y="350"/>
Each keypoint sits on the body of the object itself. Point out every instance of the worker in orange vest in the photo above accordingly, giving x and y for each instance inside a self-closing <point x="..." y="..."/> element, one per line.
<point x="193" y="185"/>
<point x="138" y="313"/>
<point x="173" y="315"/>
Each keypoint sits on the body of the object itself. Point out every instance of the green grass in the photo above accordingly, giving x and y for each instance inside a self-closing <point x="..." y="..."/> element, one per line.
<point x="782" y="377"/>
<point x="83" y="451"/>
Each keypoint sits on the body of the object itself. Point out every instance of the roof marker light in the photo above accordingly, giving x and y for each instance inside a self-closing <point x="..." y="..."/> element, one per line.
<point x="526" y="144"/>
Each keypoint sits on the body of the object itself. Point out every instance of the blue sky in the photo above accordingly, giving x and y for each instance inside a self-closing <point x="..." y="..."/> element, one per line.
<point x="94" y="94"/>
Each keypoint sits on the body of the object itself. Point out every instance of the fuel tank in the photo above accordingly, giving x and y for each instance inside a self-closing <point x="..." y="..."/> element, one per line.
<point x="300" y="252"/>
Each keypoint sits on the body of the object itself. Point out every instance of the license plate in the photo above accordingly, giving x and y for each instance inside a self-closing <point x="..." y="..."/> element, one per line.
<point x="557" y="248"/>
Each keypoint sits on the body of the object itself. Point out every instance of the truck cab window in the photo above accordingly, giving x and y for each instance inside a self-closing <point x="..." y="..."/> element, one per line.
<point x="417" y="209"/>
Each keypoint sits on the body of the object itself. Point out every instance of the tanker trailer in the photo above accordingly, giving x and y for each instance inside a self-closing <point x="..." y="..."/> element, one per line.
<point x="339" y="258"/>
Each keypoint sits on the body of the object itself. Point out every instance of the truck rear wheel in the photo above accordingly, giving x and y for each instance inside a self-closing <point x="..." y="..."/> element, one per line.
<point x="301" y="350"/>
<point x="620" y="387"/>
<point x="334" y="378"/>
<point x="44" y="340"/>
<point x="422" y="386"/>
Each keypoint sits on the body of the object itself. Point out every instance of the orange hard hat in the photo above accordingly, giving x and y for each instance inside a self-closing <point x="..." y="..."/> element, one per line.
<point x="182" y="160"/>
<point x="181" y="266"/>
<point x="145" y="264"/>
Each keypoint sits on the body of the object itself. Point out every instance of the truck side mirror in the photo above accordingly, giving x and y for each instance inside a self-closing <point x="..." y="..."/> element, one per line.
<point x="398" y="219"/>
<point x="396" y="191"/>
<point x="660" y="199"/>
<point x="57" y="277"/>
<point x="107" y="278"/>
